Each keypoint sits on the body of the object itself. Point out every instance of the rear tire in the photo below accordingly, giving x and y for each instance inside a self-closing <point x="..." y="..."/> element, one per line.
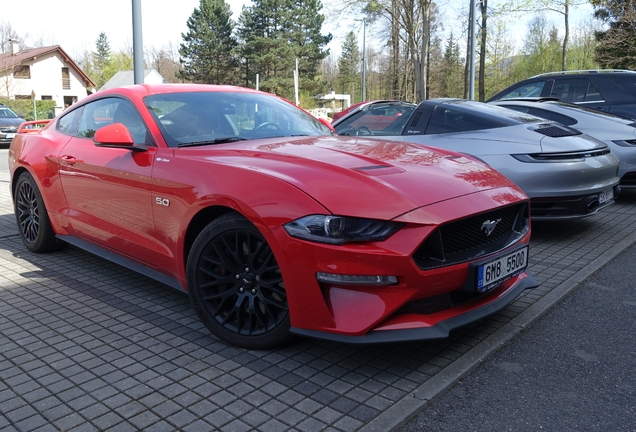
<point x="32" y="217"/>
<point x="236" y="286"/>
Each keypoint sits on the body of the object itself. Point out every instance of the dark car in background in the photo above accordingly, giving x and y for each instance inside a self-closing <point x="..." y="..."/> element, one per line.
<point x="9" y="122"/>
<point x="608" y="90"/>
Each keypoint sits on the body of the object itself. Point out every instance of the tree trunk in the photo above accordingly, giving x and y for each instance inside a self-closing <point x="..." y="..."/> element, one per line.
<point x="420" y="74"/>
<point x="469" y="50"/>
<point x="482" y="50"/>
<point x="395" y="45"/>
<point x="566" y="14"/>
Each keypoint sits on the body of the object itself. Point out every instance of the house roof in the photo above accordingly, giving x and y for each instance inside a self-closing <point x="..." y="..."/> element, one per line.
<point x="126" y="78"/>
<point x="9" y="60"/>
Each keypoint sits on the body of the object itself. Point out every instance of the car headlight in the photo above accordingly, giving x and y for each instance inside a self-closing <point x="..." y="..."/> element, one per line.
<point x="340" y="229"/>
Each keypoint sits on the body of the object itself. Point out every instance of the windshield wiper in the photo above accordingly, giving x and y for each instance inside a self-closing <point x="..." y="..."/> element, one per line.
<point x="214" y="141"/>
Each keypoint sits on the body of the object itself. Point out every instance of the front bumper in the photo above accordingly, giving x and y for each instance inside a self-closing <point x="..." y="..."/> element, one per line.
<point x="439" y="330"/>
<point x="562" y="190"/>
<point x="570" y="207"/>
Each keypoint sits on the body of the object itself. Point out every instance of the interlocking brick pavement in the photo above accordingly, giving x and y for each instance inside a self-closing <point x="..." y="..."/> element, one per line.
<point x="88" y="345"/>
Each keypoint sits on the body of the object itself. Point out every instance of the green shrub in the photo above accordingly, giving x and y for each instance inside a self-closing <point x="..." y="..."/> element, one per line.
<point x="24" y="108"/>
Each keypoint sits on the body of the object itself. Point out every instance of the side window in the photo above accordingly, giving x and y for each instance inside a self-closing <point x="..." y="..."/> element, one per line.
<point x="528" y="90"/>
<point x="107" y="111"/>
<point x="447" y="120"/>
<point x="570" y="90"/>
<point x="627" y="83"/>
<point x="67" y="123"/>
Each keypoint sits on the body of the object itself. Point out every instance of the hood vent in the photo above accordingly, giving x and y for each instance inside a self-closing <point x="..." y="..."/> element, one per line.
<point x="372" y="167"/>
<point x="555" y="131"/>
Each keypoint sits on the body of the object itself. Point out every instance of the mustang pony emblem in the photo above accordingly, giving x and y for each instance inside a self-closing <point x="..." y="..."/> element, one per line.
<point x="489" y="226"/>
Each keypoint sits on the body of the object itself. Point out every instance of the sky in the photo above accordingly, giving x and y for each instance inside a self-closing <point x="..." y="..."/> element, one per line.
<point x="76" y="24"/>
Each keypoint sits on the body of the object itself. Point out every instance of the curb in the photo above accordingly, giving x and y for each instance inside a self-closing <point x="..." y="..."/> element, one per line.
<point x="403" y="411"/>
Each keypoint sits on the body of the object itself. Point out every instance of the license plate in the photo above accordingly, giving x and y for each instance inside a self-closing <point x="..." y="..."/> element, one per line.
<point x="9" y="135"/>
<point x="493" y="273"/>
<point x="605" y="196"/>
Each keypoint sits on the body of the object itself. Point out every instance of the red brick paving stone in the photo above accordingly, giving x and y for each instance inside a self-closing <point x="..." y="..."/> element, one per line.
<point x="73" y="322"/>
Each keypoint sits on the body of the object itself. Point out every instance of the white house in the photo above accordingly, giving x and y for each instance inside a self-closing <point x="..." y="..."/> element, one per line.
<point x="48" y="73"/>
<point x="125" y="78"/>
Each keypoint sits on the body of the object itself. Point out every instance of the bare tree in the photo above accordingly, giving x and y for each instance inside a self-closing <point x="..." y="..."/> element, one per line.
<point x="164" y="60"/>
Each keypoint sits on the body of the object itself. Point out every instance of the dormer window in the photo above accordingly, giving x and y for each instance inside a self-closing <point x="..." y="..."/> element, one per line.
<point x="22" y="72"/>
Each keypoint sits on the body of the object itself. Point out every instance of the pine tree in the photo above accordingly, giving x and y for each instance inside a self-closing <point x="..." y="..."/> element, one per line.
<point x="616" y="45"/>
<point x="348" y="66"/>
<point x="206" y="54"/>
<point x="101" y="59"/>
<point x="274" y="34"/>
<point x="453" y="69"/>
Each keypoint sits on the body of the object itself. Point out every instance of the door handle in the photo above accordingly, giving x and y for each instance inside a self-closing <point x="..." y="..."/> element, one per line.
<point x="67" y="160"/>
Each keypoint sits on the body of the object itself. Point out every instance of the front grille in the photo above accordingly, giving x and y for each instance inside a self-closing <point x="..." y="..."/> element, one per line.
<point x="8" y="129"/>
<point x="438" y="303"/>
<point x="466" y="239"/>
<point x="557" y="131"/>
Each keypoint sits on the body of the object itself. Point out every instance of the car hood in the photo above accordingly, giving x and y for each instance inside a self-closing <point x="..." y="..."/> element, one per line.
<point x="359" y="177"/>
<point x="11" y="122"/>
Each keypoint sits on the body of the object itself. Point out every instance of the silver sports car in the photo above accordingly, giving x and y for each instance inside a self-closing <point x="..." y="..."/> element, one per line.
<point x="566" y="173"/>
<point x="617" y="132"/>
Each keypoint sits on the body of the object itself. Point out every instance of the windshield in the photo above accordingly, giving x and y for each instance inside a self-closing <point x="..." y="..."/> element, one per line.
<point x="7" y="113"/>
<point x="203" y="118"/>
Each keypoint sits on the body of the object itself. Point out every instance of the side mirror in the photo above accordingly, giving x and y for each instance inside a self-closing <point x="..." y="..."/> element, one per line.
<point x="115" y="135"/>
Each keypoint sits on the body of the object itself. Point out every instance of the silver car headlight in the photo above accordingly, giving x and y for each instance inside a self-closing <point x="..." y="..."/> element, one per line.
<point x="340" y="229"/>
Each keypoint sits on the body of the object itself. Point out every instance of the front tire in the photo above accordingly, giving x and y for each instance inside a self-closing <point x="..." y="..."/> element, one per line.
<point x="236" y="286"/>
<point x="32" y="218"/>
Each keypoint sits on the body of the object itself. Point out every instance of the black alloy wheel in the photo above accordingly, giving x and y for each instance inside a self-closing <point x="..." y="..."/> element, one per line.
<point x="32" y="218"/>
<point x="236" y="286"/>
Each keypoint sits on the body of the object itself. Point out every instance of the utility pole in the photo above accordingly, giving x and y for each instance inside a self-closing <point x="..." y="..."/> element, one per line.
<point x="364" y="60"/>
<point x="138" y="46"/>
<point x="471" y="69"/>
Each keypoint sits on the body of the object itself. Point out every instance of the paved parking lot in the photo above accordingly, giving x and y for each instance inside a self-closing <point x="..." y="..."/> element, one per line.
<point x="88" y="345"/>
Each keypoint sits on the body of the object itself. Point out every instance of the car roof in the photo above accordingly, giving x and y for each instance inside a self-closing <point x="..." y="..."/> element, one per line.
<point x="583" y="72"/>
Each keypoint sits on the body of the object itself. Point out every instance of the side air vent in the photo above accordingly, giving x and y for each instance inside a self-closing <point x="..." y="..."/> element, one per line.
<point x="416" y="119"/>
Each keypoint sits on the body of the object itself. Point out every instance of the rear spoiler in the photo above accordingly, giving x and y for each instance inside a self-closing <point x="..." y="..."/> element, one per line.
<point x="33" y="126"/>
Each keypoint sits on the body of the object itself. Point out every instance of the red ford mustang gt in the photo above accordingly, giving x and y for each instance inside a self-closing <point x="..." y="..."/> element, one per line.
<point x="273" y="225"/>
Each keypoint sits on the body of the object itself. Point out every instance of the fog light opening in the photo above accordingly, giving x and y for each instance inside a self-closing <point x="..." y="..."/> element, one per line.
<point x="368" y="280"/>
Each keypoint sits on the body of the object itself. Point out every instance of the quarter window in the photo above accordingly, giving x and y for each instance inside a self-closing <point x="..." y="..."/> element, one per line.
<point x="67" y="124"/>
